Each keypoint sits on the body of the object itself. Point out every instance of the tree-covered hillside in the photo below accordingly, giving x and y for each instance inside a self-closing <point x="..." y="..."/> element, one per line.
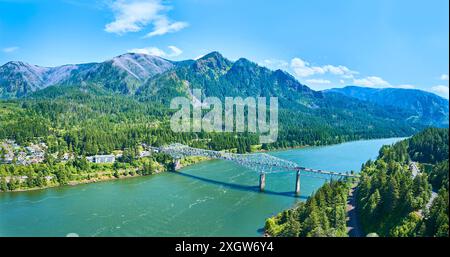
<point x="156" y="80"/>
<point x="322" y="215"/>
<point x="394" y="201"/>
<point x="418" y="105"/>
<point x="90" y="120"/>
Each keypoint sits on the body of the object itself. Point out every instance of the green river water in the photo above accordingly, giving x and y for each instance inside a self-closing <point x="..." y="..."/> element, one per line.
<point x="213" y="198"/>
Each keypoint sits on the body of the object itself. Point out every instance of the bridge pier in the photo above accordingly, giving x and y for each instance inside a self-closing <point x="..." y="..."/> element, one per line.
<point x="262" y="182"/>
<point x="297" y="184"/>
<point x="176" y="164"/>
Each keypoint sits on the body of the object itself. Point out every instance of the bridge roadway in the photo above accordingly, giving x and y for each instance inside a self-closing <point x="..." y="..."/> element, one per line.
<point x="259" y="162"/>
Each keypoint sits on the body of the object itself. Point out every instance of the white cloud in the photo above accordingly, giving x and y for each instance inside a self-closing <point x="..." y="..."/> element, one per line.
<point x="331" y="73"/>
<point x="275" y="64"/>
<point x="132" y="16"/>
<point x="148" y="50"/>
<point x="135" y="15"/>
<point x="406" y="86"/>
<point x="174" y="51"/>
<point x="163" y="26"/>
<point x="444" y="77"/>
<point x="372" y="81"/>
<point x="377" y="82"/>
<point x="318" y="81"/>
<point x="302" y="68"/>
<point x="339" y="70"/>
<point x="10" y="49"/>
<point x="198" y="57"/>
<point x="440" y="90"/>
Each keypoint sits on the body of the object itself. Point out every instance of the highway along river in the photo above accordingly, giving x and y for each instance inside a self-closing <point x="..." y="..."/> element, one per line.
<point x="213" y="198"/>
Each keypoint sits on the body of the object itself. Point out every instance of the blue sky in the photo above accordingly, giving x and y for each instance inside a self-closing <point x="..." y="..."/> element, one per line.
<point x="324" y="43"/>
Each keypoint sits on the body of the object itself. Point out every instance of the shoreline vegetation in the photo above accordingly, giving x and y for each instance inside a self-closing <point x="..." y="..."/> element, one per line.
<point x="322" y="215"/>
<point x="395" y="194"/>
<point x="111" y="174"/>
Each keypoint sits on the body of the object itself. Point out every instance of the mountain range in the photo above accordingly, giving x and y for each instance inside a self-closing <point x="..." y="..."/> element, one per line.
<point x="154" y="79"/>
<point x="123" y="73"/>
<point x="422" y="106"/>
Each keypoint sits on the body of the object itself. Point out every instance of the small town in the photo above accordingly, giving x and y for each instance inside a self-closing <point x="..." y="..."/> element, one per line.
<point x="13" y="153"/>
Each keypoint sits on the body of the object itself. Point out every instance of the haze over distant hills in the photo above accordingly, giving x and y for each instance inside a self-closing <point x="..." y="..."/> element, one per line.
<point x="425" y="106"/>
<point x="150" y="78"/>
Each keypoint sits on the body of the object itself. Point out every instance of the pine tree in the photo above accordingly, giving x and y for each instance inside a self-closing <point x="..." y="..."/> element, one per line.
<point x="3" y="184"/>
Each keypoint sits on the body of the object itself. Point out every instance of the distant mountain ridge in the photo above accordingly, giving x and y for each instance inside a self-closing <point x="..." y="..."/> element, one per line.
<point x="19" y="78"/>
<point x="431" y="109"/>
<point x="157" y="80"/>
<point x="220" y="77"/>
<point x="123" y="73"/>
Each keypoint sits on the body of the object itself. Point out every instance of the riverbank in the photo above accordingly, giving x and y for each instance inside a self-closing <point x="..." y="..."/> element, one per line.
<point x="104" y="176"/>
<point x="97" y="177"/>
<point x="108" y="175"/>
<point x="313" y="218"/>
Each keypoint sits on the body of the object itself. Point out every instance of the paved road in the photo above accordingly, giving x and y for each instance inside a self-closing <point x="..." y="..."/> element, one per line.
<point x="414" y="167"/>
<point x="353" y="227"/>
<point x="433" y="196"/>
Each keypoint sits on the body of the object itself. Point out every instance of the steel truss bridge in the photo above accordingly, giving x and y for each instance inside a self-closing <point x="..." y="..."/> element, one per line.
<point x="259" y="162"/>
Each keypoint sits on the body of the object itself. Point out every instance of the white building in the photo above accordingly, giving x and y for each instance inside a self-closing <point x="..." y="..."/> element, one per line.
<point x="145" y="154"/>
<point x="102" y="158"/>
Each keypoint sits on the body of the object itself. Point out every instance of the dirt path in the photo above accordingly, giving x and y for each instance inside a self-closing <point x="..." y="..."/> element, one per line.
<point x="353" y="228"/>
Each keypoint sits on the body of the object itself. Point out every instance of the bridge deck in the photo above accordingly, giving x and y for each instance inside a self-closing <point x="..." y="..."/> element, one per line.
<point x="260" y="162"/>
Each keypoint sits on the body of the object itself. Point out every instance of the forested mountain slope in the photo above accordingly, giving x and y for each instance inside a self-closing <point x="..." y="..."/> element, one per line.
<point x="98" y="107"/>
<point x="392" y="201"/>
<point x="419" y="105"/>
